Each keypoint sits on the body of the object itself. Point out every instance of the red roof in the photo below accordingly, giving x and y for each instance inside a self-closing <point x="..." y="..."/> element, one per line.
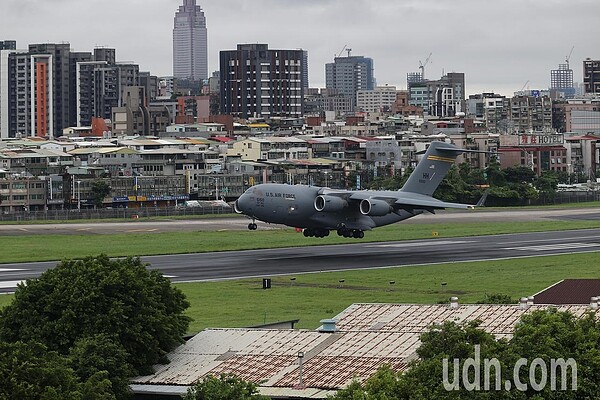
<point x="569" y="291"/>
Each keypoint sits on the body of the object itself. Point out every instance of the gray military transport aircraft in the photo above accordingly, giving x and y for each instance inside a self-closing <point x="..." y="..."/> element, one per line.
<point x="319" y="210"/>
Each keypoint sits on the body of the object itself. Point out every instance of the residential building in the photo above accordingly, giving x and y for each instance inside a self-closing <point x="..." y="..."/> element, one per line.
<point x="348" y="75"/>
<point x="561" y="81"/>
<point x="591" y="75"/>
<point x="8" y="44"/>
<point x="379" y="99"/>
<point x="190" y="43"/>
<point x="446" y="95"/>
<point x="583" y="155"/>
<point x="492" y="108"/>
<point x="531" y="111"/>
<point x="256" y="81"/>
<point x="136" y="117"/>
<point x="578" y="116"/>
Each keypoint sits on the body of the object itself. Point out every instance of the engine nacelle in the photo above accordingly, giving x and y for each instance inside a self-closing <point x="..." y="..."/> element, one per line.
<point x="330" y="203"/>
<point x="375" y="208"/>
<point x="236" y="208"/>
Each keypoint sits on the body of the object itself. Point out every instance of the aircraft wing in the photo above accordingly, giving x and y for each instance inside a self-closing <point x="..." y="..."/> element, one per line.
<point x="398" y="200"/>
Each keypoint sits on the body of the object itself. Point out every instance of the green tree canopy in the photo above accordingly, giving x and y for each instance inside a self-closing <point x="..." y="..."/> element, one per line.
<point x="29" y="371"/>
<point x="80" y="299"/>
<point x="225" y="387"/>
<point x="100" y="189"/>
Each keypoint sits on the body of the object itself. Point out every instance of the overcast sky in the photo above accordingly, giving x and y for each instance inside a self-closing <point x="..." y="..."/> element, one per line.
<point x="500" y="45"/>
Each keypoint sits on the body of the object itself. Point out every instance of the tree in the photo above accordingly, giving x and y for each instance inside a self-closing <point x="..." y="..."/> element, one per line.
<point x="120" y="299"/>
<point x="29" y="371"/>
<point x="540" y="335"/>
<point x="102" y="356"/>
<point x="226" y="387"/>
<point x="100" y="189"/>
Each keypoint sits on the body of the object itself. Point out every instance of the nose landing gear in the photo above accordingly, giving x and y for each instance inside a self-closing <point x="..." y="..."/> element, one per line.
<point x="252" y="225"/>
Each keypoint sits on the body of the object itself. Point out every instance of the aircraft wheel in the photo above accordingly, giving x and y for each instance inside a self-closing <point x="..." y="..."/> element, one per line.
<point x="340" y="232"/>
<point x="252" y="226"/>
<point x="355" y="233"/>
<point x="326" y="232"/>
<point x="306" y="233"/>
<point x="361" y="234"/>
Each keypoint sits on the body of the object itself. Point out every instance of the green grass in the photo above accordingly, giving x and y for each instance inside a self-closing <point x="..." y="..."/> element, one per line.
<point x="56" y="247"/>
<point x="312" y="297"/>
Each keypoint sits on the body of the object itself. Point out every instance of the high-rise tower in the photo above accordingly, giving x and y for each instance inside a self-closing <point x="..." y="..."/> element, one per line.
<point x="190" y="43"/>
<point x="348" y="75"/>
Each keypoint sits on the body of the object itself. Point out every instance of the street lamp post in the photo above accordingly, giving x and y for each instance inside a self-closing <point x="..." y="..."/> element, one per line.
<point x="216" y="188"/>
<point x="78" y="196"/>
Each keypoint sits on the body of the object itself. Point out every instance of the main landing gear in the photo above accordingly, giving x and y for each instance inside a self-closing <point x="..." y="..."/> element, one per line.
<point x="316" y="232"/>
<point x="348" y="233"/>
<point x="252" y="226"/>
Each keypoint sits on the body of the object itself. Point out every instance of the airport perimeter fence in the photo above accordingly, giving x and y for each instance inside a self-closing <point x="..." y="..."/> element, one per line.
<point x="145" y="212"/>
<point x="569" y="197"/>
<point x="114" y="213"/>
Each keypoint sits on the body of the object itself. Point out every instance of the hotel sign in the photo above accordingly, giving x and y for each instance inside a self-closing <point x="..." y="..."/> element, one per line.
<point x="541" y="140"/>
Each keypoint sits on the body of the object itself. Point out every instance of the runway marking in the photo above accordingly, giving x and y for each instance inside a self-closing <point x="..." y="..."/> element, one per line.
<point x="429" y="243"/>
<point x="24" y="230"/>
<point x="9" y="284"/>
<point x="564" y="246"/>
<point x="84" y="229"/>
<point x="141" y="230"/>
<point x="170" y="276"/>
<point x="551" y="239"/>
<point x="10" y="269"/>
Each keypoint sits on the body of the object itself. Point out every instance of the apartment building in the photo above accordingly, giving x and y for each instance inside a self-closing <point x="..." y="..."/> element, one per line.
<point x="347" y="75"/>
<point x="380" y="99"/>
<point x="256" y="81"/>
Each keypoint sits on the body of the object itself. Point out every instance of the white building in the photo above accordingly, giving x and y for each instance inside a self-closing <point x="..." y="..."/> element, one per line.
<point x="379" y="99"/>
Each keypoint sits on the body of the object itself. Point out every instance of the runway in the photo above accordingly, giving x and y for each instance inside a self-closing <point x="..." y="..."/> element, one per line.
<point x="241" y="223"/>
<point x="357" y="255"/>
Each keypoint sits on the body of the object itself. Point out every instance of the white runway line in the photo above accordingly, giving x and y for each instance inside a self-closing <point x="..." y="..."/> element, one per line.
<point x="549" y="247"/>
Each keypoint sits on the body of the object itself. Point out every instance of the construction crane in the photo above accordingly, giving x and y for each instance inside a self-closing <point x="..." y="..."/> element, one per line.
<point x="349" y="50"/>
<point x="523" y="88"/>
<point x="569" y="57"/>
<point x="422" y="66"/>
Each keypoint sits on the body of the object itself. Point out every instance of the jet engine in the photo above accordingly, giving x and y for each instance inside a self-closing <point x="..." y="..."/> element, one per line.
<point x="236" y="208"/>
<point x="375" y="208"/>
<point x="330" y="203"/>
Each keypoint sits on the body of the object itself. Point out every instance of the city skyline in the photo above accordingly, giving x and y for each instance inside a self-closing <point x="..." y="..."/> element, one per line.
<point x="501" y="47"/>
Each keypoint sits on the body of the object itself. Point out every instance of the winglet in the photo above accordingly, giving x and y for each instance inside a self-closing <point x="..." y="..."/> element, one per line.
<point x="483" y="198"/>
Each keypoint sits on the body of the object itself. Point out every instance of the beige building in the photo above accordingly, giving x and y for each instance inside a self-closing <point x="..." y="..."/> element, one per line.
<point x="272" y="148"/>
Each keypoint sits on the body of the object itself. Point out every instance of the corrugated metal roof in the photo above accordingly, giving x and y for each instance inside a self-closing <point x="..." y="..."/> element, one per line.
<point x="367" y="337"/>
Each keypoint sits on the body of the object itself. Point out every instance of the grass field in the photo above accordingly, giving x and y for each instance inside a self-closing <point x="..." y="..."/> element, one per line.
<point x="57" y="247"/>
<point x="312" y="297"/>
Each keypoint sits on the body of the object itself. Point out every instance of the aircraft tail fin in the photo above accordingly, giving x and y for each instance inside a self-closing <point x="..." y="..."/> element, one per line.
<point x="432" y="168"/>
